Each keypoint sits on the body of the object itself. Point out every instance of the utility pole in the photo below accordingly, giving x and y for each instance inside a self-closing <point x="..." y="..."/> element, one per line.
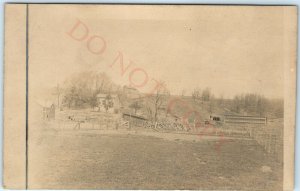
<point x="57" y="93"/>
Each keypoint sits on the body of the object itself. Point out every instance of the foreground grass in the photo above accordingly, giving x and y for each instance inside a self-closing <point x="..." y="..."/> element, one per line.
<point x="78" y="160"/>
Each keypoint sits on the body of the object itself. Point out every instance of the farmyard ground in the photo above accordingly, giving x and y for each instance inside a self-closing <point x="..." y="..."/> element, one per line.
<point x="134" y="160"/>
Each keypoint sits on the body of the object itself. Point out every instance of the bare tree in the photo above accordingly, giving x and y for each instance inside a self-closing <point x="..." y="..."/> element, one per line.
<point x="251" y="104"/>
<point x="196" y="94"/>
<point x="220" y="100"/>
<point x="57" y="92"/>
<point x="157" y="104"/>
<point x="156" y="101"/>
<point x="82" y="88"/>
<point x="183" y="93"/>
<point x="206" y="94"/>
<point x="212" y="104"/>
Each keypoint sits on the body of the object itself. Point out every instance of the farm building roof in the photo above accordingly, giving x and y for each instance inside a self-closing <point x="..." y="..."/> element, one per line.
<point x="101" y="95"/>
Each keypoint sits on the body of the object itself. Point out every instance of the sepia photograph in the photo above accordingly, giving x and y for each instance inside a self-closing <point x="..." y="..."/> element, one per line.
<point x="176" y="97"/>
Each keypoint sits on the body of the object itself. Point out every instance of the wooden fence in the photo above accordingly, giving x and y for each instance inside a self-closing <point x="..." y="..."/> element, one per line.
<point x="268" y="134"/>
<point x="239" y="119"/>
<point x="271" y="139"/>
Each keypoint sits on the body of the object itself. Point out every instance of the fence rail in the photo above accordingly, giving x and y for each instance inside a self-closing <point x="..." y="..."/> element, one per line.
<point x="271" y="139"/>
<point x="245" y="119"/>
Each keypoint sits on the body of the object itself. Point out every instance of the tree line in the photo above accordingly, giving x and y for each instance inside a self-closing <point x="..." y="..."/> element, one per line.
<point x="246" y="104"/>
<point x="81" y="90"/>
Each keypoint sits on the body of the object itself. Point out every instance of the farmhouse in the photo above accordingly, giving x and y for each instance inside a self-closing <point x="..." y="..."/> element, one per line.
<point x="108" y="103"/>
<point x="130" y="92"/>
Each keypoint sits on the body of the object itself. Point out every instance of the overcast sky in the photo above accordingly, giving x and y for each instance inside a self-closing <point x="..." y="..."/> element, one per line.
<point x="232" y="50"/>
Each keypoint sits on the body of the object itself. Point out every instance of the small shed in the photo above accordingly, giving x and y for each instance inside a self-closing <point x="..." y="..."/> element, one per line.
<point x="48" y="111"/>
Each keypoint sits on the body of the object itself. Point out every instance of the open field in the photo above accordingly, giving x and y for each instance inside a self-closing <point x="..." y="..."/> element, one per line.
<point x="97" y="160"/>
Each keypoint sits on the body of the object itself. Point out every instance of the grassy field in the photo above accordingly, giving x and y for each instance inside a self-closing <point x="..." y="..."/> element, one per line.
<point x="89" y="160"/>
